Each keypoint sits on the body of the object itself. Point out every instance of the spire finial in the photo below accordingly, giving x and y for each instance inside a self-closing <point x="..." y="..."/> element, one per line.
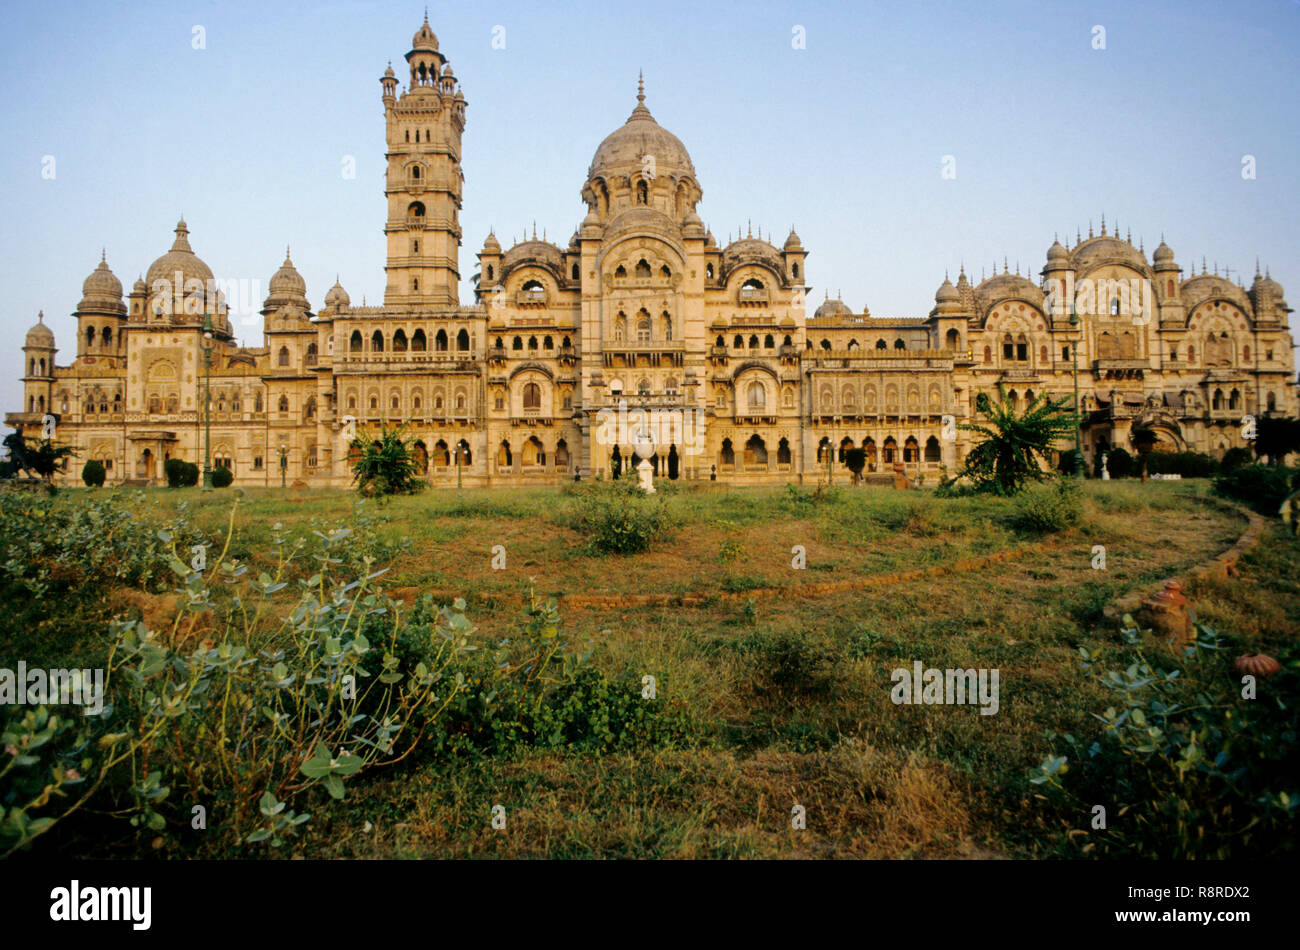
<point x="1256" y="265"/>
<point x="1103" y="225"/>
<point x="640" y="86"/>
<point x="1090" y="229"/>
<point x="40" y="316"/>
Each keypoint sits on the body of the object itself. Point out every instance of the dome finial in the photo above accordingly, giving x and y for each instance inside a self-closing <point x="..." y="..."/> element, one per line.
<point x="1103" y="224"/>
<point x="103" y="255"/>
<point x="40" y="316"/>
<point x="640" y="86"/>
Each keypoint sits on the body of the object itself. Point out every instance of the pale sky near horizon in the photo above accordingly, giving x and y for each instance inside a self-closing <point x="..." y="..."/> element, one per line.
<point x="845" y="138"/>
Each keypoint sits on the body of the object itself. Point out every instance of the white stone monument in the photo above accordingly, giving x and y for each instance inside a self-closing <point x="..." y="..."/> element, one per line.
<point x="645" y="447"/>
<point x="1105" y="472"/>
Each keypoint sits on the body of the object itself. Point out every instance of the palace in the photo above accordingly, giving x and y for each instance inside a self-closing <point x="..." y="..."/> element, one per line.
<point x="642" y="315"/>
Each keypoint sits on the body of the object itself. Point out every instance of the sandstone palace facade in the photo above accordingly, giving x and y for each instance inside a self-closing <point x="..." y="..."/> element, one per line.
<point x="641" y="309"/>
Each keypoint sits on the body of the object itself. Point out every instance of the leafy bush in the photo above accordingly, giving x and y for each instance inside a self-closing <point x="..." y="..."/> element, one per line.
<point x="1118" y="462"/>
<point x="222" y="477"/>
<point x="386" y="465"/>
<point x="1183" y="764"/>
<point x="180" y="473"/>
<point x="93" y="474"/>
<point x="1186" y="464"/>
<point x="1263" y="487"/>
<point x="789" y="665"/>
<point x="1066" y="463"/>
<point x="1236" y="457"/>
<point x="619" y="518"/>
<point x="1015" y="445"/>
<point x="1050" y="508"/>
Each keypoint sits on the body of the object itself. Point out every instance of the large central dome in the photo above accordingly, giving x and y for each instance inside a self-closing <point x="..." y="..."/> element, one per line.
<point x="624" y="149"/>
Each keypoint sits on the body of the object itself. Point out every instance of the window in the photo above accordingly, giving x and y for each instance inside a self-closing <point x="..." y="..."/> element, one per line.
<point x="377" y="342"/>
<point x="354" y="342"/>
<point x="642" y="193"/>
<point x="900" y="345"/>
<point x="399" y="341"/>
<point x="499" y="402"/>
<point x="284" y="404"/>
<point x="757" y="397"/>
<point x="643" y="327"/>
<point x="708" y="271"/>
<point x="517" y="343"/>
<point x="642" y="268"/>
<point x="311" y="354"/>
<point x="882" y="345"/>
<point x="932" y="452"/>
<point x="418" y="342"/>
<point x="532" y="396"/>
<point x="284" y="356"/>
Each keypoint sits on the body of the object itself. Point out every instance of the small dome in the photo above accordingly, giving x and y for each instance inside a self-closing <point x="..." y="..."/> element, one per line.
<point x="573" y="241"/>
<point x="833" y="308"/>
<point x="287" y="287"/>
<point x="947" y="293"/>
<point x="139" y="287"/>
<point x="102" y="290"/>
<point x="1164" y="254"/>
<point x="492" y="245"/>
<point x="424" y="39"/>
<point x="792" y="243"/>
<point x="336" y="297"/>
<point x="40" y="335"/>
<point x="388" y="73"/>
<point x="710" y="240"/>
<point x="460" y="96"/>
<point x="1057" y="254"/>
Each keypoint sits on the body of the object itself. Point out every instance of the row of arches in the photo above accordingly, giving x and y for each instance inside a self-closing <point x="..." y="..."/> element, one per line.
<point x="738" y="342"/>
<point x="888" y="453"/>
<point x="854" y="346"/>
<point x="849" y="399"/>
<point x="645" y="329"/>
<point x="104" y="336"/>
<point x="459" y="402"/>
<point x="546" y="343"/>
<point x="754" y="453"/>
<point x="532" y="455"/>
<point x="400" y="343"/>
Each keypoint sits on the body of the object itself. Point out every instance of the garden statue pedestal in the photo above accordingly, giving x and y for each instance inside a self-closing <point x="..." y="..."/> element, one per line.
<point x="1105" y="472"/>
<point x="645" y="472"/>
<point x="901" y="481"/>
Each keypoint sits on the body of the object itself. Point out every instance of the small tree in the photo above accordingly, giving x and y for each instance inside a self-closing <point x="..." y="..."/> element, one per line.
<point x="1276" y="437"/>
<point x="1017" y="447"/>
<point x="180" y="473"/>
<point x="43" y="460"/>
<point x="1119" y="463"/>
<point x="856" y="460"/>
<point x="93" y="474"/>
<point x="222" y="477"/>
<point x="386" y="465"/>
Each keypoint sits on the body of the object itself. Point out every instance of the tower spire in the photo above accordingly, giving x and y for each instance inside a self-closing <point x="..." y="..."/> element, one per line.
<point x="640" y="86"/>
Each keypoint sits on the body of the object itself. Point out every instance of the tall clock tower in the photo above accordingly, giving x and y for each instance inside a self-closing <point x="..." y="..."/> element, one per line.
<point x="424" y="180"/>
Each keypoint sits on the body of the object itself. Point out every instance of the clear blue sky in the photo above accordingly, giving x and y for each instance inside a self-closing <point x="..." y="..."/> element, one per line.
<point x="844" y="139"/>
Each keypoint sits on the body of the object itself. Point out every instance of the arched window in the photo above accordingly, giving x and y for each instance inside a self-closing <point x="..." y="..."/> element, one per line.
<point x="1234" y="400"/>
<point x="462" y="451"/>
<point x="642" y="268"/>
<point x="769" y="342"/>
<point x="1042" y="353"/>
<point x="739" y="342"/>
<point x="882" y="345"/>
<point x="900" y="345"/>
<point x="643" y="327"/>
<point x="642" y="193"/>
<point x="399" y="341"/>
<point x="620" y="328"/>
<point x="889" y="450"/>
<point x="354" y="342"/>
<point x="257" y="401"/>
<point x="574" y="273"/>
<point x="532" y="396"/>
<point x="932" y="451"/>
<point x="377" y="342"/>
<point x="284" y="404"/>
<point x="284" y="356"/>
<point x="911" y="450"/>
<point x="418" y="342"/>
<point x="783" y="452"/>
<point x="757" y="396"/>
<point x="517" y="343"/>
<point x="666" y="326"/>
<point x="727" y="455"/>
<point x="620" y="271"/>
<point x="107" y="337"/>
<point x="794" y="270"/>
<point x="415" y="210"/>
<point x="1217" y="402"/>
<point x="532" y="343"/>
<point x="504" y="458"/>
<point x="665" y="273"/>
<point x="548" y="343"/>
<point x="708" y="271"/>
<point x="755" y="451"/>
<point x="309" y="409"/>
<point x="1272" y="402"/>
<point x="953" y="339"/>
<point x="394" y="401"/>
<point x="311" y="354"/>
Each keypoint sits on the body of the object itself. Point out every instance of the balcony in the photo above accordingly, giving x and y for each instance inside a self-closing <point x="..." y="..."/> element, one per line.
<point x="753" y="295"/>
<point x="531" y="298"/>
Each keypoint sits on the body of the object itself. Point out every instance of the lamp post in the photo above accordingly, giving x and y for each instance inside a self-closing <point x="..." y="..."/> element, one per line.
<point x="458" y="453"/>
<point x="207" y="402"/>
<point x="1074" y="368"/>
<point x="284" y="462"/>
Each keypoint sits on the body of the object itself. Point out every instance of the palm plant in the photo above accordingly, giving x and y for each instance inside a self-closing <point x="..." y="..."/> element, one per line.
<point x="1017" y="447"/>
<point x="386" y="465"/>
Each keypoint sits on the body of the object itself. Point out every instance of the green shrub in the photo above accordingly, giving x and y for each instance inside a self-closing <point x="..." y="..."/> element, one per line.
<point x="1186" y="464"/>
<point x="1066" y="464"/>
<point x="1050" y="508"/>
<point x="789" y="665"/>
<point x="385" y="465"/>
<point x="180" y="473"/>
<point x="1118" y="462"/>
<point x="619" y="518"/>
<point x="222" y="477"/>
<point x="1263" y="487"/>
<point x="1235" y="458"/>
<point x="93" y="474"/>
<point x="1184" y="766"/>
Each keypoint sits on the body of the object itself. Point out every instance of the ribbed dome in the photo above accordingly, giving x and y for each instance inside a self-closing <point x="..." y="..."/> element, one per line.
<point x="287" y="287"/>
<point x="1057" y="254"/>
<point x="40" y="335"/>
<point x="833" y="308"/>
<point x="792" y="243"/>
<point x="624" y="149"/>
<point x="1164" y="254"/>
<point x="947" y="293"/>
<point x="336" y="297"/>
<point x="102" y="291"/>
<point x="492" y="244"/>
<point x="425" y="38"/>
<point x="181" y="258"/>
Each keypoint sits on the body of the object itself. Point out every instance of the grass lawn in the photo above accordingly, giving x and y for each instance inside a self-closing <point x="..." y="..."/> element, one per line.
<point x="784" y="673"/>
